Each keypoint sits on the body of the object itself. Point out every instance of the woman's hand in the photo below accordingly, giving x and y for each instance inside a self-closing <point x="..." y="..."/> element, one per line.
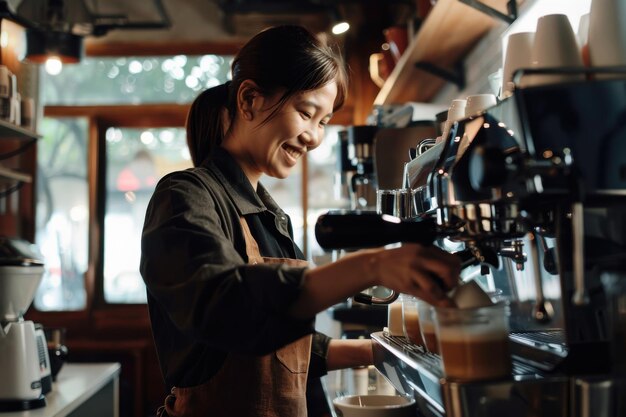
<point x="426" y="272"/>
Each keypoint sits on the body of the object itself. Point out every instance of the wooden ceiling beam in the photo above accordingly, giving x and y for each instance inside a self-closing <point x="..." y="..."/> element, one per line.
<point x="161" y="48"/>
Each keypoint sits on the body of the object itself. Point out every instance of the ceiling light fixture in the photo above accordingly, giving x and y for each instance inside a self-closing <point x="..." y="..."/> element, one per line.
<point x="42" y="44"/>
<point x="340" y="27"/>
<point x="55" y="29"/>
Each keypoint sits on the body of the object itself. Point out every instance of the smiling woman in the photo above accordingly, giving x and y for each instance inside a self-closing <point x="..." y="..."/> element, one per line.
<point x="230" y="294"/>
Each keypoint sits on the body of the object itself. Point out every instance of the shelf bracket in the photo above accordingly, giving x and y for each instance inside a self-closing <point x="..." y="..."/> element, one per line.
<point x="508" y="18"/>
<point x="11" y="189"/>
<point x="455" y="76"/>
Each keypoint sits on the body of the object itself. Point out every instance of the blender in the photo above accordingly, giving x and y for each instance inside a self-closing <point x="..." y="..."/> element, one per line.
<point x="22" y="361"/>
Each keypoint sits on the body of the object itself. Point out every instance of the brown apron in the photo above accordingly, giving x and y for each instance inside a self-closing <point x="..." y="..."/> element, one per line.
<point x="272" y="385"/>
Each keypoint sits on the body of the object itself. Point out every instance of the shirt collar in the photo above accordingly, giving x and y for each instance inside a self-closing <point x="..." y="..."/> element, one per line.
<point x="238" y="186"/>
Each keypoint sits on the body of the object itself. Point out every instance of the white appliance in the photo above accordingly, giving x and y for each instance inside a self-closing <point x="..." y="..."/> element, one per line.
<point x="45" y="366"/>
<point x="20" y="358"/>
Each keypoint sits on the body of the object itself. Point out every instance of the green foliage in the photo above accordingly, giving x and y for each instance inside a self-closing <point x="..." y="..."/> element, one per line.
<point x="135" y="80"/>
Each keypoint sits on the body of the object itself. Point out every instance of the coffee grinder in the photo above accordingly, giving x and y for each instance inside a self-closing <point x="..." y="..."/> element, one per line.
<point x="22" y="361"/>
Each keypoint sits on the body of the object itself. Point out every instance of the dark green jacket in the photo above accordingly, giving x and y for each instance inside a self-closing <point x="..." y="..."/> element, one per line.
<point x="203" y="297"/>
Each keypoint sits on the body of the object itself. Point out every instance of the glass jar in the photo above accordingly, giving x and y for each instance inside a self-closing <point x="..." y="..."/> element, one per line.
<point x="474" y="342"/>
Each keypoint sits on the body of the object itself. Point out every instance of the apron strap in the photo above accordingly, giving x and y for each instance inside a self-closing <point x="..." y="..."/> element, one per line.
<point x="252" y="247"/>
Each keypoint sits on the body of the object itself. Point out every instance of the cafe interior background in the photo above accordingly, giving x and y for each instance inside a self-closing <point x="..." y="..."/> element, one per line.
<point x="109" y="121"/>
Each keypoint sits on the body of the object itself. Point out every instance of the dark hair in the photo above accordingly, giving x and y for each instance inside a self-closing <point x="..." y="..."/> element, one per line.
<point x="283" y="57"/>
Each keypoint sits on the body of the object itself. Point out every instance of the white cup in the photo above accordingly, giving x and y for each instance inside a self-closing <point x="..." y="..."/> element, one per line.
<point x="5" y="81"/>
<point x="555" y="46"/>
<point x="28" y="112"/>
<point x="517" y="55"/>
<point x="375" y="406"/>
<point x="479" y="102"/>
<point x="607" y="34"/>
<point x="16" y="109"/>
<point x="457" y="110"/>
<point x="583" y="30"/>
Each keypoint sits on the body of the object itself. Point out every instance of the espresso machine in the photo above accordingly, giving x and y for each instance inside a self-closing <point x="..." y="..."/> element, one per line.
<point x="539" y="181"/>
<point x="24" y="362"/>
<point x="360" y="148"/>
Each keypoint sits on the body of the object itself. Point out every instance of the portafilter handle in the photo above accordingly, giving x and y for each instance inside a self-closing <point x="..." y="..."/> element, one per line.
<point x="346" y="229"/>
<point x="354" y="229"/>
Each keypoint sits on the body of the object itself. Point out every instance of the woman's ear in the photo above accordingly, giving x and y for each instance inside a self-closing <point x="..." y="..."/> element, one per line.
<point x="249" y="100"/>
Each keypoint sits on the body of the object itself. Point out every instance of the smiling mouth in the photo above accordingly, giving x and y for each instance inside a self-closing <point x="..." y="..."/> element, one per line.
<point x="294" y="152"/>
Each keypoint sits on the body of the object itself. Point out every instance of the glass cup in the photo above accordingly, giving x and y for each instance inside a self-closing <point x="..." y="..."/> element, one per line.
<point x="386" y="202"/>
<point x="410" y="320"/>
<point x="427" y="326"/>
<point x="474" y="342"/>
<point x="394" y="317"/>
<point x="404" y="204"/>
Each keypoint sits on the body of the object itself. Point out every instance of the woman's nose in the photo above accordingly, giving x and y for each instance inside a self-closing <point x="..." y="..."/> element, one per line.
<point x="310" y="138"/>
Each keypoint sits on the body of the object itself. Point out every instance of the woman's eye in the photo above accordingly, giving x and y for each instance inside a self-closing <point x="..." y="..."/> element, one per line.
<point x="305" y="115"/>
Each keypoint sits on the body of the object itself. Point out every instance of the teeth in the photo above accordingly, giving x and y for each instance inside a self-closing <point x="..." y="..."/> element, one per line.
<point x="291" y="151"/>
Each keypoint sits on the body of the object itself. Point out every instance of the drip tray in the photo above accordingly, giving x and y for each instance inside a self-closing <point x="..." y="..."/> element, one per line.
<point x="413" y="371"/>
<point x="430" y="363"/>
<point x="544" y="349"/>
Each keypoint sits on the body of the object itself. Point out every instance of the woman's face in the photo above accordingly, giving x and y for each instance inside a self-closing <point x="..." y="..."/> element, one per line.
<point x="274" y="147"/>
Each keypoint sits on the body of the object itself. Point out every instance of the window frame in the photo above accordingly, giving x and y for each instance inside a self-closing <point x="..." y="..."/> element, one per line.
<point x="98" y="314"/>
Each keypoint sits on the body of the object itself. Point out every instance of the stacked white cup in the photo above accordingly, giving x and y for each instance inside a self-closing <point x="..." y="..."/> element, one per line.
<point x="555" y="45"/>
<point x="456" y="112"/>
<point x="607" y="35"/>
<point x="517" y="55"/>
<point x="478" y="102"/>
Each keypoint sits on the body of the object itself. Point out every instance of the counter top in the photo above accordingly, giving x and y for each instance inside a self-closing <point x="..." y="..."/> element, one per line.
<point x="75" y="385"/>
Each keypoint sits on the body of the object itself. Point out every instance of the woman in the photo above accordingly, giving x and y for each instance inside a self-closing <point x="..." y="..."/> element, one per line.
<point x="231" y="300"/>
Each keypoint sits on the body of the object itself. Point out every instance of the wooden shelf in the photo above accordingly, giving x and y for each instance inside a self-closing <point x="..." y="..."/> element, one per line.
<point x="449" y="32"/>
<point x="8" y="175"/>
<point x="12" y="131"/>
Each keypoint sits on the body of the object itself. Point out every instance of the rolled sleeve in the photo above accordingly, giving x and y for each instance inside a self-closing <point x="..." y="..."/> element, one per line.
<point x="319" y="354"/>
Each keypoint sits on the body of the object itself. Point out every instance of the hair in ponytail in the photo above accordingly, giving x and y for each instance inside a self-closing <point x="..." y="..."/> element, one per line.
<point x="204" y="122"/>
<point x="283" y="57"/>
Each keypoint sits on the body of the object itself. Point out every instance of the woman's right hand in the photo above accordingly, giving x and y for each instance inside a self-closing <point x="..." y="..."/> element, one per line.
<point x="426" y="272"/>
<point x="423" y="271"/>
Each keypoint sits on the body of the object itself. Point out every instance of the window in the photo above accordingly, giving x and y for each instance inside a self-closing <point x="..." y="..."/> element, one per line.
<point x="135" y="80"/>
<point x="136" y="157"/>
<point x="62" y="233"/>
<point x="323" y="194"/>
<point x="135" y="160"/>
